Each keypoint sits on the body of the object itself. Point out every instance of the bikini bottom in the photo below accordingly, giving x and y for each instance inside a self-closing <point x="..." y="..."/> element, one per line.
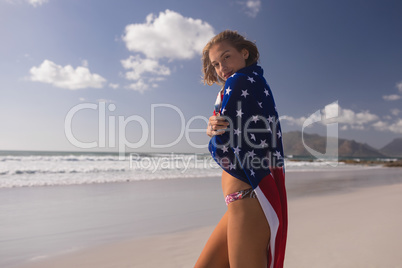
<point x="248" y="193"/>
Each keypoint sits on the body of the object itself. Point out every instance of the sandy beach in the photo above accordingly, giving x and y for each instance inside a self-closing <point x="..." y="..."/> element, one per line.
<point x="336" y="219"/>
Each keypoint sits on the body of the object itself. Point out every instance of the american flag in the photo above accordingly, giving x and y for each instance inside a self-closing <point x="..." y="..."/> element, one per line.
<point x="251" y="149"/>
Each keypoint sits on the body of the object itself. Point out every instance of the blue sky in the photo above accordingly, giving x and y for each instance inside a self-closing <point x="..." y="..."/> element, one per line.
<point x="142" y="59"/>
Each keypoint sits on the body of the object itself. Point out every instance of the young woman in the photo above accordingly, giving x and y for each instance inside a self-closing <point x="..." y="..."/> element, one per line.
<point x="246" y="141"/>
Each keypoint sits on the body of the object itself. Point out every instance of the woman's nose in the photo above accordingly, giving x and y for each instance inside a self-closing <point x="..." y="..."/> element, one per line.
<point x="223" y="68"/>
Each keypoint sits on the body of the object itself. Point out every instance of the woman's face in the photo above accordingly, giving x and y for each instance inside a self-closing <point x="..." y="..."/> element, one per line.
<point x="226" y="59"/>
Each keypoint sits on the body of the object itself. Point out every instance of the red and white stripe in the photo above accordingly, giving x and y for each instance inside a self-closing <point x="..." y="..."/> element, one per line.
<point x="271" y="194"/>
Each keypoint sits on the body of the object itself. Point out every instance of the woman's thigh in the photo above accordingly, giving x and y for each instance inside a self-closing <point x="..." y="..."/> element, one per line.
<point x="248" y="234"/>
<point x="215" y="252"/>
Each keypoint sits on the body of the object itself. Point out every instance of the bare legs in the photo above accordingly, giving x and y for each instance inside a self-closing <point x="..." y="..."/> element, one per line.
<point x="215" y="252"/>
<point x="241" y="237"/>
<point x="247" y="234"/>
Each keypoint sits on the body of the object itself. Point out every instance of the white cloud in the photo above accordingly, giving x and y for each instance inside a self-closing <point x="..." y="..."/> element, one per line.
<point x="114" y="86"/>
<point x="170" y="35"/>
<point x="334" y="113"/>
<point x="292" y="120"/>
<point x="156" y="79"/>
<point x="391" y="97"/>
<point x="364" y="118"/>
<point x="140" y="66"/>
<point x="85" y="63"/>
<point x="356" y="120"/>
<point x="399" y="86"/>
<point x="141" y="86"/>
<point x="252" y="7"/>
<point x="395" y="127"/>
<point x="380" y="125"/>
<point x="331" y="111"/>
<point x="105" y="100"/>
<point x="66" y="77"/>
<point x="36" y="3"/>
<point x="395" y="111"/>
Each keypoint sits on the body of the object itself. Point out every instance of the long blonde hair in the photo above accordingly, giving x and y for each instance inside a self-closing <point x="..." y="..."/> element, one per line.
<point x="234" y="39"/>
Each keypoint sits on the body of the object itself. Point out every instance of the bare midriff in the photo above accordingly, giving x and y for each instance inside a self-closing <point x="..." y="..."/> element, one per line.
<point x="231" y="184"/>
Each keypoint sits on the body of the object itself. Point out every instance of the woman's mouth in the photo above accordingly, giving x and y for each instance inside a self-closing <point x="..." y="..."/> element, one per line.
<point x="227" y="75"/>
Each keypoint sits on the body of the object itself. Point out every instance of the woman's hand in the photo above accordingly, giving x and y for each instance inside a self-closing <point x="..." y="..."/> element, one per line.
<point x="216" y="125"/>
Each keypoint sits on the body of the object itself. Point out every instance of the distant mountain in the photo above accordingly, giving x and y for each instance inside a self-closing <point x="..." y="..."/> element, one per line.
<point x="356" y="149"/>
<point x="293" y="145"/>
<point x="394" y="148"/>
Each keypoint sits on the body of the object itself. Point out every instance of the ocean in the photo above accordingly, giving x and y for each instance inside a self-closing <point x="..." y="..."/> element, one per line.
<point x="37" y="168"/>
